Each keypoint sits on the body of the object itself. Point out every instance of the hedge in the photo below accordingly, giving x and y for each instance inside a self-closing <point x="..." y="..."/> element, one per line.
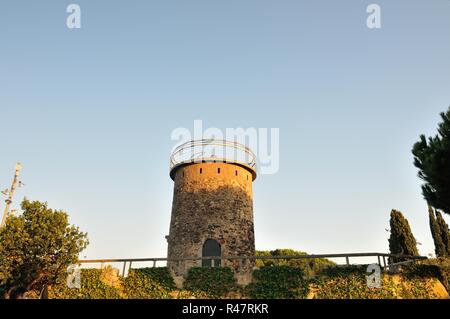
<point x="278" y="282"/>
<point x="432" y="268"/>
<point x="269" y="282"/>
<point x="351" y="283"/>
<point x="148" y="283"/>
<point x="144" y="283"/>
<point x="93" y="286"/>
<point x="216" y="282"/>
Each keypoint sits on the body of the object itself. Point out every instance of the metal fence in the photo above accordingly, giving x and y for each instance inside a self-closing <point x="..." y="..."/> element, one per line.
<point x="385" y="261"/>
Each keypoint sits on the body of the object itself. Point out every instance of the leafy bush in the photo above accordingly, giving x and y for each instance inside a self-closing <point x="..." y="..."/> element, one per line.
<point x="216" y="282"/>
<point x="347" y="283"/>
<point x="148" y="283"/>
<point x="309" y="266"/>
<point x="432" y="268"/>
<point x="278" y="282"/>
<point x="93" y="286"/>
<point x="351" y="283"/>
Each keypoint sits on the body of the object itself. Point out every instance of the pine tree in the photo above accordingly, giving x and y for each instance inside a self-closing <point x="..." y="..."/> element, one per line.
<point x="443" y="227"/>
<point x="432" y="158"/>
<point x="401" y="241"/>
<point x="439" y="247"/>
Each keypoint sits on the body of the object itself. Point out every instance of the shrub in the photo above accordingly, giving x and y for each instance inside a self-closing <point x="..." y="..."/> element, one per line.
<point x="309" y="266"/>
<point x="278" y="282"/>
<point x="148" y="283"/>
<point x="432" y="268"/>
<point x="93" y="286"/>
<point x="351" y="283"/>
<point x="216" y="282"/>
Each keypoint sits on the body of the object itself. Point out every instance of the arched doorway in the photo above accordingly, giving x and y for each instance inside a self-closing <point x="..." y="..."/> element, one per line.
<point x="211" y="248"/>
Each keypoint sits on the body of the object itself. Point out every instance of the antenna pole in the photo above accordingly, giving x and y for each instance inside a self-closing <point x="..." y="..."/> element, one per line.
<point x="8" y="201"/>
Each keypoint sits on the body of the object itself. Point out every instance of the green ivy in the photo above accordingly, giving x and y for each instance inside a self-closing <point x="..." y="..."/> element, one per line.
<point x="351" y="283"/>
<point x="309" y="266"/>
<point x="278" y="282"/>
<point x="348" y="283"/>
<point x="92" y="287"/>
<point x="148" y="283"/>
<point x="432" y="268"/>
<point x="216" y="281"/>
<point x="270" y="282"/>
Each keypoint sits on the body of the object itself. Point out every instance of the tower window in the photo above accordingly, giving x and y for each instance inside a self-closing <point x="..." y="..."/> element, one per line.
<point x="236" y="173"/>
<point x="211" y="248"/>
<point x="201" y="170"/>
<point x="247" y="177"/>
<point x="218" y="170"/>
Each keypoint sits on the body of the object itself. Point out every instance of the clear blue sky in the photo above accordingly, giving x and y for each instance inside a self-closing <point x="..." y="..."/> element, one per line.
<point x="89" y="112"/>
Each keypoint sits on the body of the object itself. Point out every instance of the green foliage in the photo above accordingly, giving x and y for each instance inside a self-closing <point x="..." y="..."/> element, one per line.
<point x="278" y="282"/>
<point x="144" y="283"/>
<point x="148" y="283"/>
<point x="351" y="283"/>
<point x="439" y="247"/>
<point x="190" y="294"/>
<point x="346" y="283"/>
<point x="213" y="281"/>
<point x="401" y="241"/>
<point x="37" y="247"/>
<point x="444" y="232"/>
<point x="432" y="268"/>
<point x="432" y="158"/>
<point x="93" y="286"/>
<point x="309" y="266"/>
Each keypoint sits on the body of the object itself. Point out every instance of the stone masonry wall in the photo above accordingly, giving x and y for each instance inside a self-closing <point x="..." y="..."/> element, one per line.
<point x="212" y="201"/>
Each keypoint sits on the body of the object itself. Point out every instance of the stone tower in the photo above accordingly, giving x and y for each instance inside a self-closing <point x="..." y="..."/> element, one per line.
<point x="212" y="209"/>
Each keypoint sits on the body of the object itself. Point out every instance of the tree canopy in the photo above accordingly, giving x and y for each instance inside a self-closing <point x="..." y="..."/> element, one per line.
<point x="432" y="158"/>
<point x="37" y="247"/>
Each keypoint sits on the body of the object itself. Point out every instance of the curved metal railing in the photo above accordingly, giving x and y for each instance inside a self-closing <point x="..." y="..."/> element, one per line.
<point x="212" y="150"/>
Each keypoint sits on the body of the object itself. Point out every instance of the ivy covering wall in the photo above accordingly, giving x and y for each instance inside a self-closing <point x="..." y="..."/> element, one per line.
<point x="351" y="283"/>
<point x="269" y="282"/>
<point x="278" y="282"/>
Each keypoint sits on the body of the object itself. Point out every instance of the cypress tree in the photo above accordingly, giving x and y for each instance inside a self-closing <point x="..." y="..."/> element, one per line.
<point x="401" y="241"/>
<point x="439" y="247"/>
<point x="443" y="227"/>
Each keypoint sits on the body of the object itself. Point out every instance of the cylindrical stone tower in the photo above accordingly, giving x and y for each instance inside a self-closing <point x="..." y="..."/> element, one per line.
<point x="212" y="209"/>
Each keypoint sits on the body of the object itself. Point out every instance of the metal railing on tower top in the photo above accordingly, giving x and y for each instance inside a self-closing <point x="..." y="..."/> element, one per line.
<point x="210" y="150"/>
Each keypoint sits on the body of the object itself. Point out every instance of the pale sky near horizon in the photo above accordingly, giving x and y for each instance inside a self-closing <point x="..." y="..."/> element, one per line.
<point x="89" y="112"/>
